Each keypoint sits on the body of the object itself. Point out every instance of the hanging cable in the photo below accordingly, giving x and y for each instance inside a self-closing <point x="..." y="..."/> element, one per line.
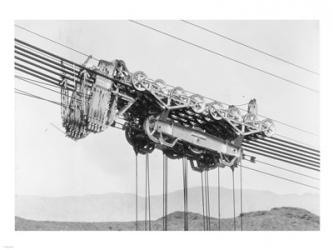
<point x="163" y="196"/>
<point x="136" y="192"/>
<point x="207" y="200"/>
<point x="208" y="203"/>
<point x="233" y="196"/>
<point x="165" y="192"/>
<point x="219" y="197"/>
<point x="203" y="201"/>
<point x="241" y="196"/>
<point x="146" y="195"/>
<point x="185" y="194"/>
<point x="148" y="188"/>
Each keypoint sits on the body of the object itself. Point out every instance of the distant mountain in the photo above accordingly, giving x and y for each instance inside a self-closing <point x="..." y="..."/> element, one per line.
<point x="285" y="218"/>
<point x="121" y="207"/>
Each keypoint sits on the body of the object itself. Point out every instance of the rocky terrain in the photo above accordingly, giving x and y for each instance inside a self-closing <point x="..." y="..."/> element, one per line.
<point x="275" y="219"/>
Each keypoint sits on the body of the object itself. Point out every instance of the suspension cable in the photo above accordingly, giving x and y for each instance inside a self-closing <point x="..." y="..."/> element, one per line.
<point x="250" y="47"/>
<point x="284" y="169"/>
<point x="219" y="198"/>
<point x="21" y="92"/>
<point x="233" y="196"/>
<point x="282" y="178"/>
<point x="281" y="159"/>
<point x="163" y="196"/>
<point x="284" y="149"/>
<point x="136" y="191"/>
<point x="148" y="192"/>
<point x="53" y="41"/>
<point x="149" y="205"/>
<point x="226" y="57"/>
<point x="241" y="196"/>
<point x="165" y="192"/>
<point x="296" y="158"/>
<point x="208" y="200"/>
<point x="294" y="140"/>
<point x="295" y="144"/>
<point x="146" y="195"/>
<point x="203" y="201"/>
<point x="185" y="194"/>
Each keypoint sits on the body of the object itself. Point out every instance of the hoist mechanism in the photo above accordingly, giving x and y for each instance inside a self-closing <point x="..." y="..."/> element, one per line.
<point x="156" y="115"/>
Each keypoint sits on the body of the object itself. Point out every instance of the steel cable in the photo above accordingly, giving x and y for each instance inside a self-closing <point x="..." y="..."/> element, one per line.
<point x="149" y="207"/>
<point x="185" y="188"/>
<point x="233" y="197"/>
<point x="203" y="201"/>
<point x="226" y="57"/>
<point x="250" y="47"/>
<point x="241" y="196"/>
<point x="282" y="178"/>
<point x="136" y="191"/>
<point x="219" y="198"/>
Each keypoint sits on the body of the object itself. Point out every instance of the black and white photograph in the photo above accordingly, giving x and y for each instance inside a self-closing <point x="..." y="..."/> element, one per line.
<point x="167" y="125"/>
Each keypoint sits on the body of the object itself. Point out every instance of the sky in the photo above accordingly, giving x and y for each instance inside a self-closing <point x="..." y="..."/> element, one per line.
<point x="49" y="164"/>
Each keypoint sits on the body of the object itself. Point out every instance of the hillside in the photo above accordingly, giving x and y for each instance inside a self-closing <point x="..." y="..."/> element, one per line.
<point x="285" y="218"/>
<point x="121" y="207"/>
